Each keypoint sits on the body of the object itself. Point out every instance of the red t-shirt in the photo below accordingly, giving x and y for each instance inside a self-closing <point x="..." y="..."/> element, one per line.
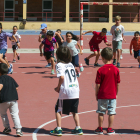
<point x="108" y="77"/>
<point x="97" y="38"/>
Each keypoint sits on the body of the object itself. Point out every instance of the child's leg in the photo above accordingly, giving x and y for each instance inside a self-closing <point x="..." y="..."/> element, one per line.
<point x="14" y="53"/>
<point x="110" y="121"/>
<point x="14" y="114"/>
<point x="76" y="119"/>
<point x="100" y="119"/>
<point x="97" y="57"/>
<point x="139" y="59"/>
<point x="52" y="62"/>
<point x="92" y="55"/>
<point x="3" y="112"/>
<point x="4" y="60"/>
<point x="58" y="119"/>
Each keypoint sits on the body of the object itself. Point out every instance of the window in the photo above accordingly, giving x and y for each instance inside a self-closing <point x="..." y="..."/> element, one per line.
<point x="85" y="9"/>
<point x="47" y="6"/>
<point x="9" y="7"/>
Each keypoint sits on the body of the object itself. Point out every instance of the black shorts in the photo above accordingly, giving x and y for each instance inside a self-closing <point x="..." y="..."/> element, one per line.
<point x="49" y="54"/>
<point x="69" y="105"/>
<point x="14" y="47"/>
<point x="136" y="54"/>
<point x="75" y="60"/>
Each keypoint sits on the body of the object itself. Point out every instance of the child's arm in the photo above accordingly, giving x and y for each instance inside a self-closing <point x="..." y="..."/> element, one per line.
<point x="16" y="88"/>
<point x="97" y="90"/>
<point x="1" y="86"/>
<point x="40" y="48"/>
<point x="59" y="36"/>
<point x="87" y="32"/>
<point x="123" y="38"/>
<point x="39" y="39"/>
<point x="61" y="80"/>
<point x="57" y="46"/>
<point x="80" y="48"/>
<point x="108" y="44"/>
<point x="131" y="44"/>
<point x="117" y="90"/>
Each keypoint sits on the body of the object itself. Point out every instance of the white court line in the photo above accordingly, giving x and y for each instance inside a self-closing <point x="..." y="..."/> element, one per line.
<point x="122" y="72"/>
<point x="34" y="135"/>
<point x="132" y="72"/>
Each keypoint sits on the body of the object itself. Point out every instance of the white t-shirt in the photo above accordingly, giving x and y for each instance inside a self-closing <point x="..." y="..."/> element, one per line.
<point x="72" y="47"/>
<point x="117" y="32"/>
<point x="43" y="35"/>
<point x="17" y="37"/>
<point x="70" y="87"/>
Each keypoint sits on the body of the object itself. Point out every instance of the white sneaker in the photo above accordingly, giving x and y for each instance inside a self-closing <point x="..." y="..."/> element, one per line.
<point x="121" y="57"/>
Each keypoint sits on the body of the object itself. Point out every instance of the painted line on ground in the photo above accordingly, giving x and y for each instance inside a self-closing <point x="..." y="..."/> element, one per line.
<point x="132" y="72"/>
<point x="34" y="135"/>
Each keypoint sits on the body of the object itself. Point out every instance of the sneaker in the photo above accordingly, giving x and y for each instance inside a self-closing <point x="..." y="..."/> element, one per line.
<point x="56" y="132"/>
<point x="52" y="72"/>
<point x="14" y="61"/>
<point x="114" y="62"/>
<point x="77" y="131"/>
<point x="81" y="68"/>
<point x="19" y="133"/>
<point x="86" y="61"/>
<point x="78" y="74"/>
<point x="97" y="65"/>
<point x="110" y="131"/>
<point x="118" y="64"/>
<point x="7" y="130"/>
<point x="121" y="57"/>
<point x="10" y="70"/>
<point x="99" y="131"/>
<point x="18" y="56"/>
<point x="47" y="66"/>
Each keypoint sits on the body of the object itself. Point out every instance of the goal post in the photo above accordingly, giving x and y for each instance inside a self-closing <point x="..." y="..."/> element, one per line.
<point x="99" y="3"/>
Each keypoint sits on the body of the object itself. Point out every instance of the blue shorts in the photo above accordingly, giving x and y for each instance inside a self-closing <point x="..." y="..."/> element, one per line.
<point x="75" y="60"/>
<point x="107" y="104"/>
<point x="136" y="54"/>
<point x="3" y="51"/>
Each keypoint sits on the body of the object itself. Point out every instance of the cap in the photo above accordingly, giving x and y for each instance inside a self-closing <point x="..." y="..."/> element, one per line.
<point x="43" y="25"/>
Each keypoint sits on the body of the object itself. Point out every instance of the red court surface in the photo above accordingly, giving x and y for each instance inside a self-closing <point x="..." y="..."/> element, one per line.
<point x="37" y="100"/>
<point x="31" y="41"/>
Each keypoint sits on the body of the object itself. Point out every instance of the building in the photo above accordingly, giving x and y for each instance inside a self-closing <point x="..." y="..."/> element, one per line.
<point x="65" y="14"/>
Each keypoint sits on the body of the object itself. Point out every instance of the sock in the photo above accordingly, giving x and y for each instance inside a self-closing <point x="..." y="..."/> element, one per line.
<point x="100" y="128"/>
<point x="18" y="130"/>
<point x="58" y="128"/>
<point x="77" y="127"/>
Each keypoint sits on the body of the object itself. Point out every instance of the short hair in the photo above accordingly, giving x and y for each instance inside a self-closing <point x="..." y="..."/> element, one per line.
<point x="0" y="25"/>
<point x="104" y="30"/>
<point x="58" y="30"/>
<point x="3" y="68"/>
<point x="15" y="27"/>
<point x="63" y="55"/>
<point x="137" y="32"/>
<point x="117" y="18"/>
<point x="107" y="53"/>
<point x="50" y="33"/>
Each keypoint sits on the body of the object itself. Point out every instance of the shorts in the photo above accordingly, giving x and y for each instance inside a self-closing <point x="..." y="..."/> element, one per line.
<point x="3" y="51"/>
<point x="14" y="47"/>
<point x="49" y="54"/>
<point x="68" y="105"/>
<point x="94" y="48"/>
<point x="117" y="45"/>
<point x="136" y="54"/>
<point x="75" y="60"/>
<point x="107" y="104"/>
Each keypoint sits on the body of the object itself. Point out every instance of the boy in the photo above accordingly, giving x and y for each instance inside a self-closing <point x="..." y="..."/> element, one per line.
<point x="117" y="31"/>
<point x="8" y="100"/>
<point x="94" y="44"/>
<point x="68" y="89"/>
<point x="135" y="44"/>
<point x="43" y="33"/>
<point x="3" y="48"/>
<point x="107" y="84"/>
<point x="48" y="43"/>
<point x="58" y="39"/>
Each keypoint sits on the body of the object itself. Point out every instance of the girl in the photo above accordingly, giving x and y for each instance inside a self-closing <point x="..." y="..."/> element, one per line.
<point x="68" y="89"/>
<point x="14" y="44"/>
<point x="71" y="42"/>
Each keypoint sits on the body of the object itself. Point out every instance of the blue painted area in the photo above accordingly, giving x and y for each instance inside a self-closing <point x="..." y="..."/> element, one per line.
<point x="36" y="32"/>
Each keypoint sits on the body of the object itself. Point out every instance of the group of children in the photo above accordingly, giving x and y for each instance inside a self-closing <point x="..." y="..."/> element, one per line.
<point x="107" y="77"/>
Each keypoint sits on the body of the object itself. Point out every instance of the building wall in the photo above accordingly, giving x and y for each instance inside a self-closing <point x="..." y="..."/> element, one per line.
<point x="1" y="9"/>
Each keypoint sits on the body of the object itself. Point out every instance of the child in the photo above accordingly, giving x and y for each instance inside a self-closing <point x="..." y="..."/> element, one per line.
<point x="43" y="32"/>
<point x="48" y="43"/>
<point x="117" y="31"/>
<point x="107" y="84"/>
<point x="135" y="44"/>
<point x="57" y="38"/>
<point x="94" y="45"/>
<point x="3" y="48"/>
<point x="71" y="42"/>
<point x="68" y="89"/>
<point x="8" y="100"/>
<point x="14" y="45"/>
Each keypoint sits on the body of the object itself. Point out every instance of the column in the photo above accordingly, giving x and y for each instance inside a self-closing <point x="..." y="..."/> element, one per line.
<point x="110" y="12"/>
<point x="138" y="12"/>
<point x="67" y="10"/>
<point x="24" y="11"/>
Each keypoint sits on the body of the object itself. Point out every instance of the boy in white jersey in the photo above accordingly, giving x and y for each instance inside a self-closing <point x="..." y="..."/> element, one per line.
<point x="14" y="45"/>
<point x="68" y="89"/>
